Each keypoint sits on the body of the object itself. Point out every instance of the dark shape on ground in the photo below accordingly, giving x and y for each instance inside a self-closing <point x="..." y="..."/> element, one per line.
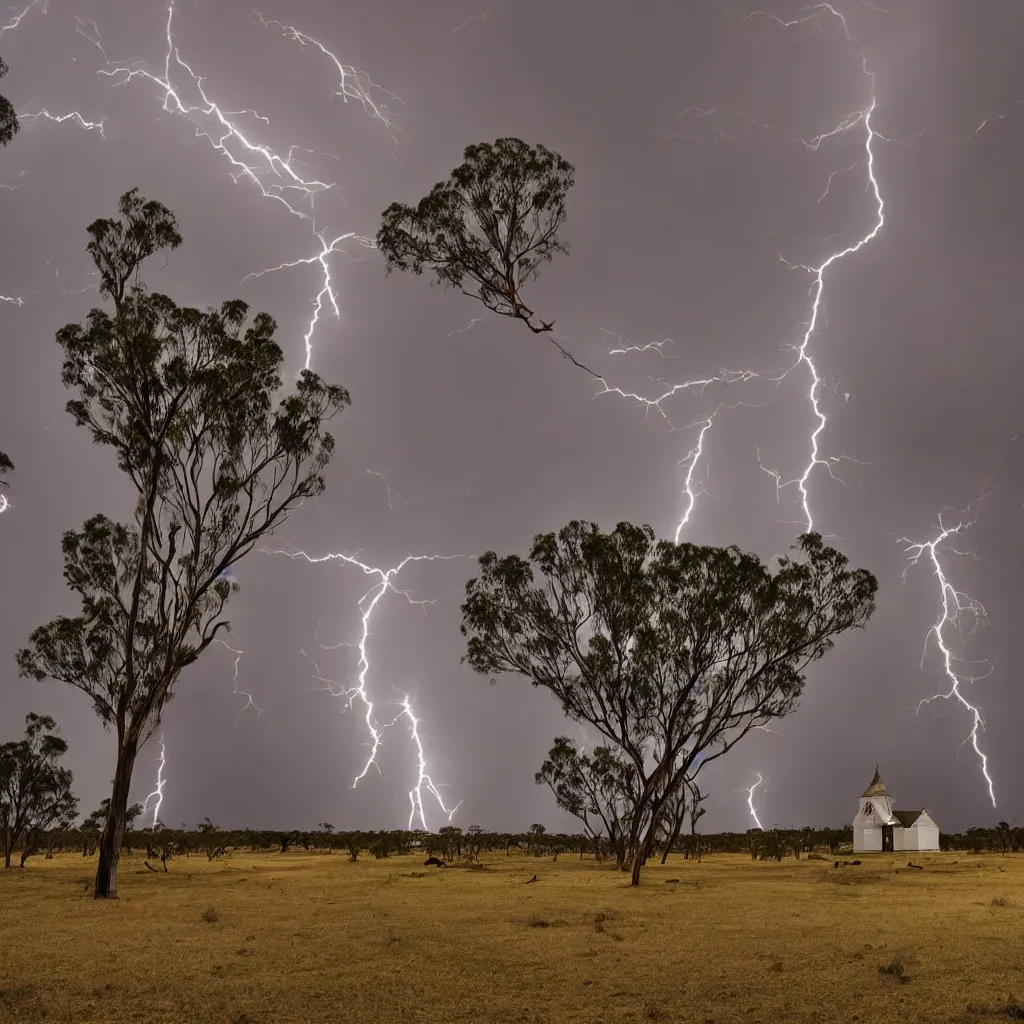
<point x="148" y="865"/>
<point x="434" y="862"/>
<point x="669" y="881"/>
<point x="529" y="880"/>
<point x="856" y="863"/>
<point x="911" y="864"/>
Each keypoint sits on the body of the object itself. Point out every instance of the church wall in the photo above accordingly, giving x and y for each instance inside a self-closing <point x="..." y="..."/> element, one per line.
<point x="903" y="839"/>
<point x="927" y="837"/>
<point x="867" y="840"/>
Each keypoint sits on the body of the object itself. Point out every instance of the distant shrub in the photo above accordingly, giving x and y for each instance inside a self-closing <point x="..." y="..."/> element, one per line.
<point x="896" y="970"/>
<point x="210" y="916"/>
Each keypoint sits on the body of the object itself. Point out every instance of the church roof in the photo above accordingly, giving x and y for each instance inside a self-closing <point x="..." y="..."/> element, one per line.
<point x="907" y="818"/>
<point x="877" y="787"/>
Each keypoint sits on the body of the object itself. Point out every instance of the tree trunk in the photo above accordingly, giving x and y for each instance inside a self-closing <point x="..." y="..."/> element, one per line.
<point x="8" y="846"/>
<point x="113" y="830"/>
<point x="643" y="851"/>
<point x="638" y="863"/>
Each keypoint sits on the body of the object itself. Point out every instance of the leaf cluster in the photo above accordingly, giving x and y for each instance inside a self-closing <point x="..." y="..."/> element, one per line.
<point x="9" y="124"/>
<point x="35" y="790"/>
<point x="489" y="228"/>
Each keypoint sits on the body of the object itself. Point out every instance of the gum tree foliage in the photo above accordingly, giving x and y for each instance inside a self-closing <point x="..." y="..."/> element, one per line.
<point x="35" y="791"/>
<point x="595" y="787"/>
<point x="6" y="466"/>
<point x="488" y="229"/>
<point x="9" y="124"/>
<point x="673" y="652"/>
<point x="188" y="401"/>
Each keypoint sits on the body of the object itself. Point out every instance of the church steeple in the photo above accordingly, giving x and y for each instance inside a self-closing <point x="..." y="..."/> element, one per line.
<point x="877" y="787"/>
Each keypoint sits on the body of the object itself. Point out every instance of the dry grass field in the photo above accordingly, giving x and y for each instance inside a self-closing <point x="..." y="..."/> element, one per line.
<point x="272" y="939"/>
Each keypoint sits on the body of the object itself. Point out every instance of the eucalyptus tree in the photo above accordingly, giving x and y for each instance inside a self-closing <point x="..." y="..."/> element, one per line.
<point x="597" y="788"/>
<point x="488" y="229"/>
<point x="672" y="652"/>
<point x="35" y="789"/>
<point x="186" y="400"/>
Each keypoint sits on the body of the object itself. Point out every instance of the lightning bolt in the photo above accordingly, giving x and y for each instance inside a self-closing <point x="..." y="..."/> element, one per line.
<point x="249" y="702"/>
<point x="18" y="18"/>
<point x="352" y="84"/>
<point x="277" y="176"/>
<point x="692" y="489"/>
<point x="804" y="357"/>
<point x="422" y="778"/>
<point x="75" y="117"/>
<point x="694" y="486"/>
<point x="367" y="604"/>
<point x="158" y="792"/>
<point x="958" y="618"/>
<point x="326" y="295"/>
<point x="996" y="117"/>
<point x="750" y="800"/>
<point x="216" y="125"/>
<point x="88" y="29"/>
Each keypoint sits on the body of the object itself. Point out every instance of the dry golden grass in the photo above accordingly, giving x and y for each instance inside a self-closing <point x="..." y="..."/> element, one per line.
<point x="272" y="939"/>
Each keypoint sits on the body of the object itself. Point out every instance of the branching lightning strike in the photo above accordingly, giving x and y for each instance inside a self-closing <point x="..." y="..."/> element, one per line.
<point x="276" y="176"/>
<point x="249" y="702"/>
<point x="803" y="349"/>
<point x="959" y="616"/>
<point x="75" y="117"/>
<point x="17" y="19"/>
<point x="367" y="604"/>
<point x="326" y="293"/>
<point x="422" y="779"/>
<point x="286" y="183"/>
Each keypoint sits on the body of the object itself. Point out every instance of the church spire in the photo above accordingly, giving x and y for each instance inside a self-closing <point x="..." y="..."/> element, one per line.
<point x="877" y="787"/>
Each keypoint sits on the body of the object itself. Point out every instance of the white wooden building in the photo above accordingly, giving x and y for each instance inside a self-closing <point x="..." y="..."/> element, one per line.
<point x="879" y="828"/>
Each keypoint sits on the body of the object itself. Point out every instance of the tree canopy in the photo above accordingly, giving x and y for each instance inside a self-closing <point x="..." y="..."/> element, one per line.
<point x="9" y="124"/>
<point x="35" y="790"/>
<point x="673" y="652"/>
<point x="489" y="228"/>
<point x="6" y="466"/>
<point x="186" y="400"/>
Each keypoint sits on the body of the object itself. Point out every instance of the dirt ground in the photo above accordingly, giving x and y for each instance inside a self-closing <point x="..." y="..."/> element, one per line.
<point x="272" y="939"/>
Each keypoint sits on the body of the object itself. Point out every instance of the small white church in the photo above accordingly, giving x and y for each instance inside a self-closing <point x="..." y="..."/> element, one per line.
<point x="878" y="828"/>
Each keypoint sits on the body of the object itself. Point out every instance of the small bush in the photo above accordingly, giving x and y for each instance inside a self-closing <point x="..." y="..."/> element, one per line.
<point x="1013" y="1009"/>
<point x="533" y="921"/>
<point x="599" y="920"/>
<point x="210" y="916"/>
<point x="896" y="970"/>
<point x="1002" y="901"/>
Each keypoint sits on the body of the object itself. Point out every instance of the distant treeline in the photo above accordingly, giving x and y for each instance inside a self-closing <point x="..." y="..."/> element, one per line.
<point x="453" y="845"/>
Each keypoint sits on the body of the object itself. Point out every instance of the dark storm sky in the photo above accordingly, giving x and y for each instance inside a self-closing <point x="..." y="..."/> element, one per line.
<point x="487" y="437"/>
